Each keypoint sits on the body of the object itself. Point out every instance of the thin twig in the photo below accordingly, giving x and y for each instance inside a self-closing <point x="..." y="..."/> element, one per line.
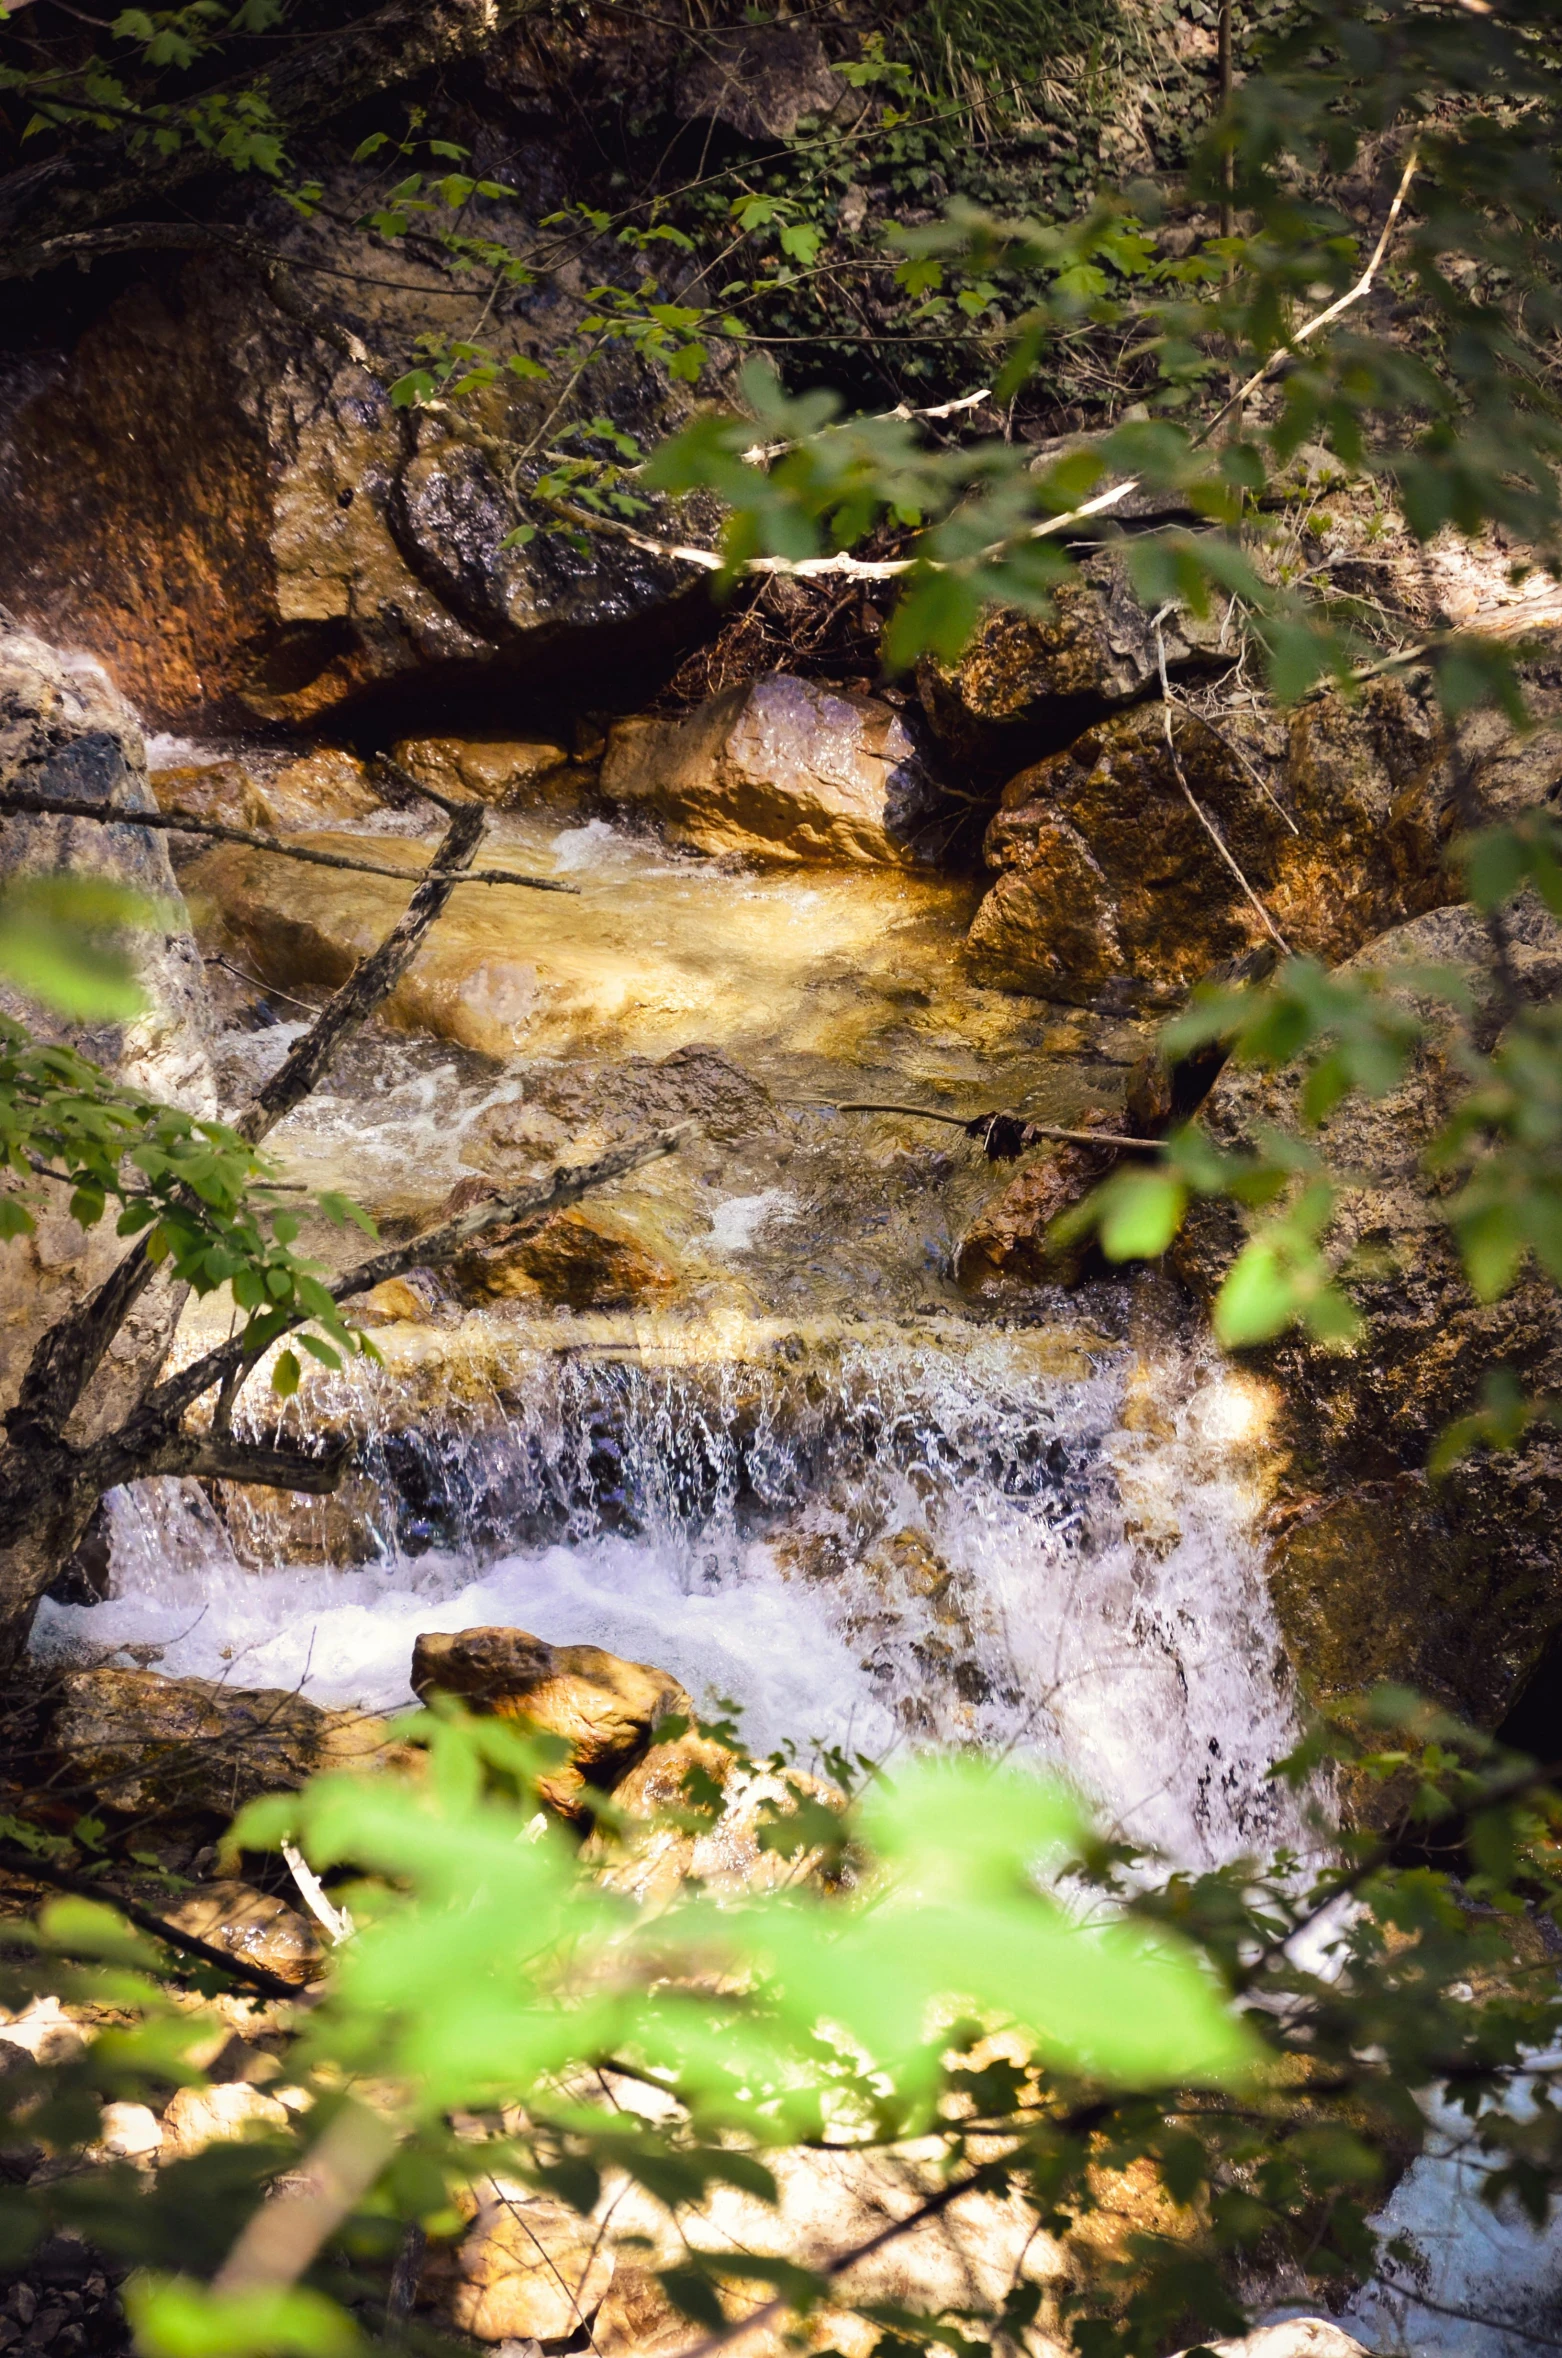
<point x="1048" y="1130"/>
<point x="1205" y="821"/>
<point x="1238" y="756"/>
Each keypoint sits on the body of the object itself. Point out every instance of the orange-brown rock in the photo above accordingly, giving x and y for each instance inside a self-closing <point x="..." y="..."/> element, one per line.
<point x="603" y="1707"/>
<point x="1028" y="683"/>
<point x="1110" y="886"/>
<point x="506" y="772"/>
<point x="271" y="539"/>
<point x="1008" y="1237"/>
<point x="322" y="788"/>
<point x="779" y="769"/>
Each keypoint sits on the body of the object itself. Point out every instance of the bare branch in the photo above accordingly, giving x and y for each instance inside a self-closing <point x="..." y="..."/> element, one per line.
<point x="49" y="806"/>
<point x="27" y="1868"/>
<point x="495" y="1221"/>
<point x="1197" y="808"/>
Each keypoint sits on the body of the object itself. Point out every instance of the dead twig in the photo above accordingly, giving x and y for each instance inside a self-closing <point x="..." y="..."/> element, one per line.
<point x="25" y="1867"/>
<point x="49" y="806"/>
<point x="1204" y="820"/>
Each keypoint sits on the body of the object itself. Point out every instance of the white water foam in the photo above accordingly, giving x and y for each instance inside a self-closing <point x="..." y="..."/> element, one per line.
<point x="940" y="1544"/>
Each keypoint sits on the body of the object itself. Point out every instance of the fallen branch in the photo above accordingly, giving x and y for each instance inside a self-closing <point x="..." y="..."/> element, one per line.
<point x="47" y="806"/>
<point x="23" y="1865"/>
<point x="974" y="1127"/>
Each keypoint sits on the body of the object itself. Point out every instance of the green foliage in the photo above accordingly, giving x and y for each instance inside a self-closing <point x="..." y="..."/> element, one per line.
<point x="63" y="941"/>
<point x="1034" y="2009"/>
<point x="201" y="1197"/>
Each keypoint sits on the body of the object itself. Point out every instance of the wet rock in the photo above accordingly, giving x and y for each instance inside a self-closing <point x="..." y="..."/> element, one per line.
<point x="65" y="731"/>
<point x="1007" y="1240"/>
<point x="1027" y="683"/>
<point x="529" y="2269"/>
<point x="274" y="540"/>
<point x="253" y="1926"/>
<point x="136" y="1740"/>
<point x="707" y="1819"/>
<point x="507" y="772"/>
<point x="197" y="2117"/>
<point x="575" y="1260"/>
<point x="1110" y="888"/>
<point x="760" y="80"/>
<point x="286" y="798"/>
<point x="780" y="769"/>
<point x="604" y="1708"/>
<point x="1376" y="1574"/>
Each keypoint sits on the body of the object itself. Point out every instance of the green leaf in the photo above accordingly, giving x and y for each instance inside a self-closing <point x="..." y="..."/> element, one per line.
<point x="175" y="2317"/>
<point x="285" y="1374"/>
<point x="1140" y="1214"/>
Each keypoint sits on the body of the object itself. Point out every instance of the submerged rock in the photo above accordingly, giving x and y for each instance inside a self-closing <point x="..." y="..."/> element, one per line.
<point x="780" y="769"/>
<point x="1376" y="1573"/>
<point x="319" y="790"/>
<point x="1111" y="888"/>
<point x="604" y="1708"/>
<point x="139" y="1741"/>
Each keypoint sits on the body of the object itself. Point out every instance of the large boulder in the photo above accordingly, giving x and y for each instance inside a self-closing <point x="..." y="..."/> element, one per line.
<point x="1377" y="1573"/>
<point x="780" y="769"/>
<point x="528" y="2270"/>
<point x="1028" y="683"/>
<point x="761" y="80"/>
<point x="138" y="1741"/>
<point x="604" y="1708"/>
<point x="1111" y="888"/>
<point x="272" y="539"/>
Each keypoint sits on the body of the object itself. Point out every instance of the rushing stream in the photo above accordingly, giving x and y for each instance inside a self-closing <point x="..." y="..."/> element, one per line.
<point x="803" y="1471"/>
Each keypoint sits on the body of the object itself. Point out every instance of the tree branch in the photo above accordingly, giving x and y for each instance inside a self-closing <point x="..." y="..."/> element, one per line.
<point x="50" y="806"/>
<point x="496" y="1221"/>
<point x="66" y="1358"/>
<point x="23" y="1865"/>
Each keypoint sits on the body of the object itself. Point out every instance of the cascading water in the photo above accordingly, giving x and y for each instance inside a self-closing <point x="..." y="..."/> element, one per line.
<point x="936" y="1538"/>
<point x="819" y="1484"/>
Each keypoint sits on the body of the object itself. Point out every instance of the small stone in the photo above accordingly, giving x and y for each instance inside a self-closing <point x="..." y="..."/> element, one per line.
<point x="198" y="2117"/>
<point x="130" y="2132"/>
<point x="22" y="2302"/>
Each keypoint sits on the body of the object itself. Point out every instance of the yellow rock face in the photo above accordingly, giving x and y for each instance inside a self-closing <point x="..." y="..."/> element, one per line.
<point x="505" y="772"/>
<point x="778" y="770"/>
